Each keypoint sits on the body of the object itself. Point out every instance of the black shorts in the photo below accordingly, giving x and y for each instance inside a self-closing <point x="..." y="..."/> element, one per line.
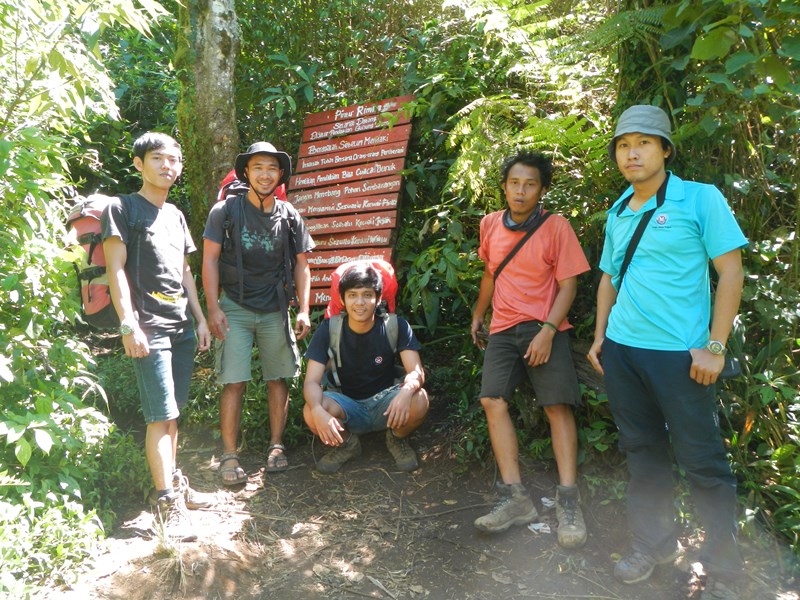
<point x="504" y="367"/>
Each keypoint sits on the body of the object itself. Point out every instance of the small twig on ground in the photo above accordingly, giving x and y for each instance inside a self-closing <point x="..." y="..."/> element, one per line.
<point x="356" y="592"/>
<point x="600" y="585"/>
<point x="444" y="512"/>
<point x="380" y="586"/>
<point x="459" y="545"/>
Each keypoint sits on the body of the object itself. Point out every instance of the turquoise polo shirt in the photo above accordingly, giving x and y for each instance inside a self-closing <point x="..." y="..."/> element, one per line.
<point x="665" y="300"/>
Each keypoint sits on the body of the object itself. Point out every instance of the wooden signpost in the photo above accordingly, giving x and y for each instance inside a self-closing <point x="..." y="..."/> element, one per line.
<point x="347" y="184"/>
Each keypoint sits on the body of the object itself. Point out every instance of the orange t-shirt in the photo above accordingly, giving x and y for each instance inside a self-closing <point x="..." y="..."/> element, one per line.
<point x="528" y="285"/>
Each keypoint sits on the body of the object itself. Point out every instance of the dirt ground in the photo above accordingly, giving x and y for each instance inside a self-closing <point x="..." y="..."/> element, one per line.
<point x="372" y="532"/>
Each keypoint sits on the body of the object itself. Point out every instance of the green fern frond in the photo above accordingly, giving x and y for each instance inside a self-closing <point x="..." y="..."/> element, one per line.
<point x="642" y="24"/>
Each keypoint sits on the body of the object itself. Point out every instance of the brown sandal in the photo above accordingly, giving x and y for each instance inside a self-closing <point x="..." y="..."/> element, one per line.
<point x="277" y="462"/>
<point x="239" y="475"/>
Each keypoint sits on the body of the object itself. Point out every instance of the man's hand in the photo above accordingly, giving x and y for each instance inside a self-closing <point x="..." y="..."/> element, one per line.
<point x="329" y="428"/>
<point x="541" y="346"/>
<point x="706" y="367"/>
<point x="302" y="325"/>
<point x="479" y="336"/>
<point x="203" y="337"/>
<point x="218" y="323"/>
<point x="594" y="355"/>
<point x="135" y="344"/>
<point x="399" y="409"/>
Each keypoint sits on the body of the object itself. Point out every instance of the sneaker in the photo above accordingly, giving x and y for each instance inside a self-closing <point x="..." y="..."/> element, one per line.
<point x="638" y="566"/>
<point x="333" y="460"/>
<point x="173" y="517"/>
<point x="404" y="456"/>
<point x="193" y="499"/>
<point x="517" y="509"/>
<point x="571" y="526"/>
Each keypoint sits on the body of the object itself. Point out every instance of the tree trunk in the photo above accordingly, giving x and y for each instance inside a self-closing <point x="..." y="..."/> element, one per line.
<point x="208" y="46"/>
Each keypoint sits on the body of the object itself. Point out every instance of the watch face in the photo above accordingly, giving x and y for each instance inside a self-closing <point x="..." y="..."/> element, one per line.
<point x="125" y="329"/>
<point x="716" y="347"/>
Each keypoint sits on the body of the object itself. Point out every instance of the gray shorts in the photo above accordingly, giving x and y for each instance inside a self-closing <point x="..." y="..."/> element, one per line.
<point x="504" y="367"/>
<point x="279" y="359"/>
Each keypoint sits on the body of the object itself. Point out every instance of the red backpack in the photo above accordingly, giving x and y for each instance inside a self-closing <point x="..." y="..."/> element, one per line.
<point x="335" y="306"/>
<point x="231" y="186"/>
<point x="84" y="221"/>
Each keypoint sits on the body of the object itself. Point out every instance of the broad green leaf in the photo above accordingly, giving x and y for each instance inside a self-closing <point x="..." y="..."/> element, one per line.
<point x="738" y="60"/>
<point x="14" y="433"/>
<point x="709" y="124"/>
<point x="775" y="70"/>
<point x="23" y="451"/>
<point x="714" y="44"/>
<point x="790" y="47"/>
<point x="722" y="79"/>
<point x="43" y="439"/>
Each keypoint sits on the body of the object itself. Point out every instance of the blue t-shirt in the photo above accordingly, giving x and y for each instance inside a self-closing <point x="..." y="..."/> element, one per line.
<point x="665" y="299"/>
<point x="367" y="358"/>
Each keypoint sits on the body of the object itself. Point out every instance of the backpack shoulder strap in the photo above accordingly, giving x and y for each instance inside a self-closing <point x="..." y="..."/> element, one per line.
<point x="134" y="218"/>
<point x="334" y="339"/>
<point x="519" y="245"/>
<point x="639" y="232"/>
<point x="392" y="330"/>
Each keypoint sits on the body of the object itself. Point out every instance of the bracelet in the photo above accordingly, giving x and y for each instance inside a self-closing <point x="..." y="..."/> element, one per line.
<point x="550" y="325"/>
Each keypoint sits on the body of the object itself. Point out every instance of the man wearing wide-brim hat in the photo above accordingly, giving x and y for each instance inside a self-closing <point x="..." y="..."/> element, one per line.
<point x="255" y="252"/>
<point x="658" y="353"/>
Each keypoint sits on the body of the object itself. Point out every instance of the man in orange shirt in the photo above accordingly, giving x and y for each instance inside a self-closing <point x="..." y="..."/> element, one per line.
<point x="529" y="338"/>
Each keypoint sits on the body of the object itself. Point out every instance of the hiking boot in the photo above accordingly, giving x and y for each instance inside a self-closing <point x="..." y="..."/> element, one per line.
<point x="638" y="566"/>
<point x="191" y="497"/>
<point x="171" y="514"/>
<point x="517" y="509"/>
<point x="333" y="460"/>
<point x="571" y="526"/>
<point x="717" y="589"/>
<point x="404" y="456"/>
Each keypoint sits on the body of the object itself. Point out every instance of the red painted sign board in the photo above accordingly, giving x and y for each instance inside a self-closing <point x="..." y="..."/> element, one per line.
<point x="347" y="113"/>
<point x="345" y="174"/>
<point x="320" y="297"/>
<point x="383" y="185"/>
<point x="330" y="259"/>
<point x="335" y="129"/>
<point x="325" y="206"/>
<point x="351" y="157"/>
<point x="374" y="220"/>
<point x="356" y="141"/>
<point x="321" y="278"/>
<point x="374" y="238"/>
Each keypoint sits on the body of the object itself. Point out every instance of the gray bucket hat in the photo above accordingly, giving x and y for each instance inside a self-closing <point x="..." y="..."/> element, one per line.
<point x="284" y="160"/>
<point x="643" y="118"/>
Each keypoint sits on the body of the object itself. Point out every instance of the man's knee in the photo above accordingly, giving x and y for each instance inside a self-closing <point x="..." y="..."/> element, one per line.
<point x="234" y="389"/>
<point x="419" y="404"/>
<point x="494" y="404"/>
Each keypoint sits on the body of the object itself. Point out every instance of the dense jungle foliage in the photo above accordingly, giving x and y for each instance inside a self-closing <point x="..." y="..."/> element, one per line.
<point x="81" y="80"/>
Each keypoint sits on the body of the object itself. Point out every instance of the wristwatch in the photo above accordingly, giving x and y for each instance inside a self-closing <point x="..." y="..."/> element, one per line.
<point x="125" y="329"/>
<point x="716" y="347"/>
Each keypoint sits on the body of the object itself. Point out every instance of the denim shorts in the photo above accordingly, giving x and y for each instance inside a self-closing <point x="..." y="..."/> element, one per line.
<point x="279" y="359"/>
<point x="365" y="416"/>
<point x="163" y="376"/>
<point x="504" y="367"/>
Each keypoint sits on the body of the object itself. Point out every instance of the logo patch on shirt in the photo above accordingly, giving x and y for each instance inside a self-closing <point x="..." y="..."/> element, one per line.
<point x="378" y="360"/>
<point x="662" y="219"/>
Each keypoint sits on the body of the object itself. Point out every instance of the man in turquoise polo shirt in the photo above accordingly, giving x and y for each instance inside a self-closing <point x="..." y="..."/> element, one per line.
<point x="662" y="349"/>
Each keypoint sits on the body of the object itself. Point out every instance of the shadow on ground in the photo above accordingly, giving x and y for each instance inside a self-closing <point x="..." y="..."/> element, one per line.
<point x="372" y="532"/>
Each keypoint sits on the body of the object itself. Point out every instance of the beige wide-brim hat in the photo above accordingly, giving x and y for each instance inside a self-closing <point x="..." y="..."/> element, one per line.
<point x="643" y="118"/>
